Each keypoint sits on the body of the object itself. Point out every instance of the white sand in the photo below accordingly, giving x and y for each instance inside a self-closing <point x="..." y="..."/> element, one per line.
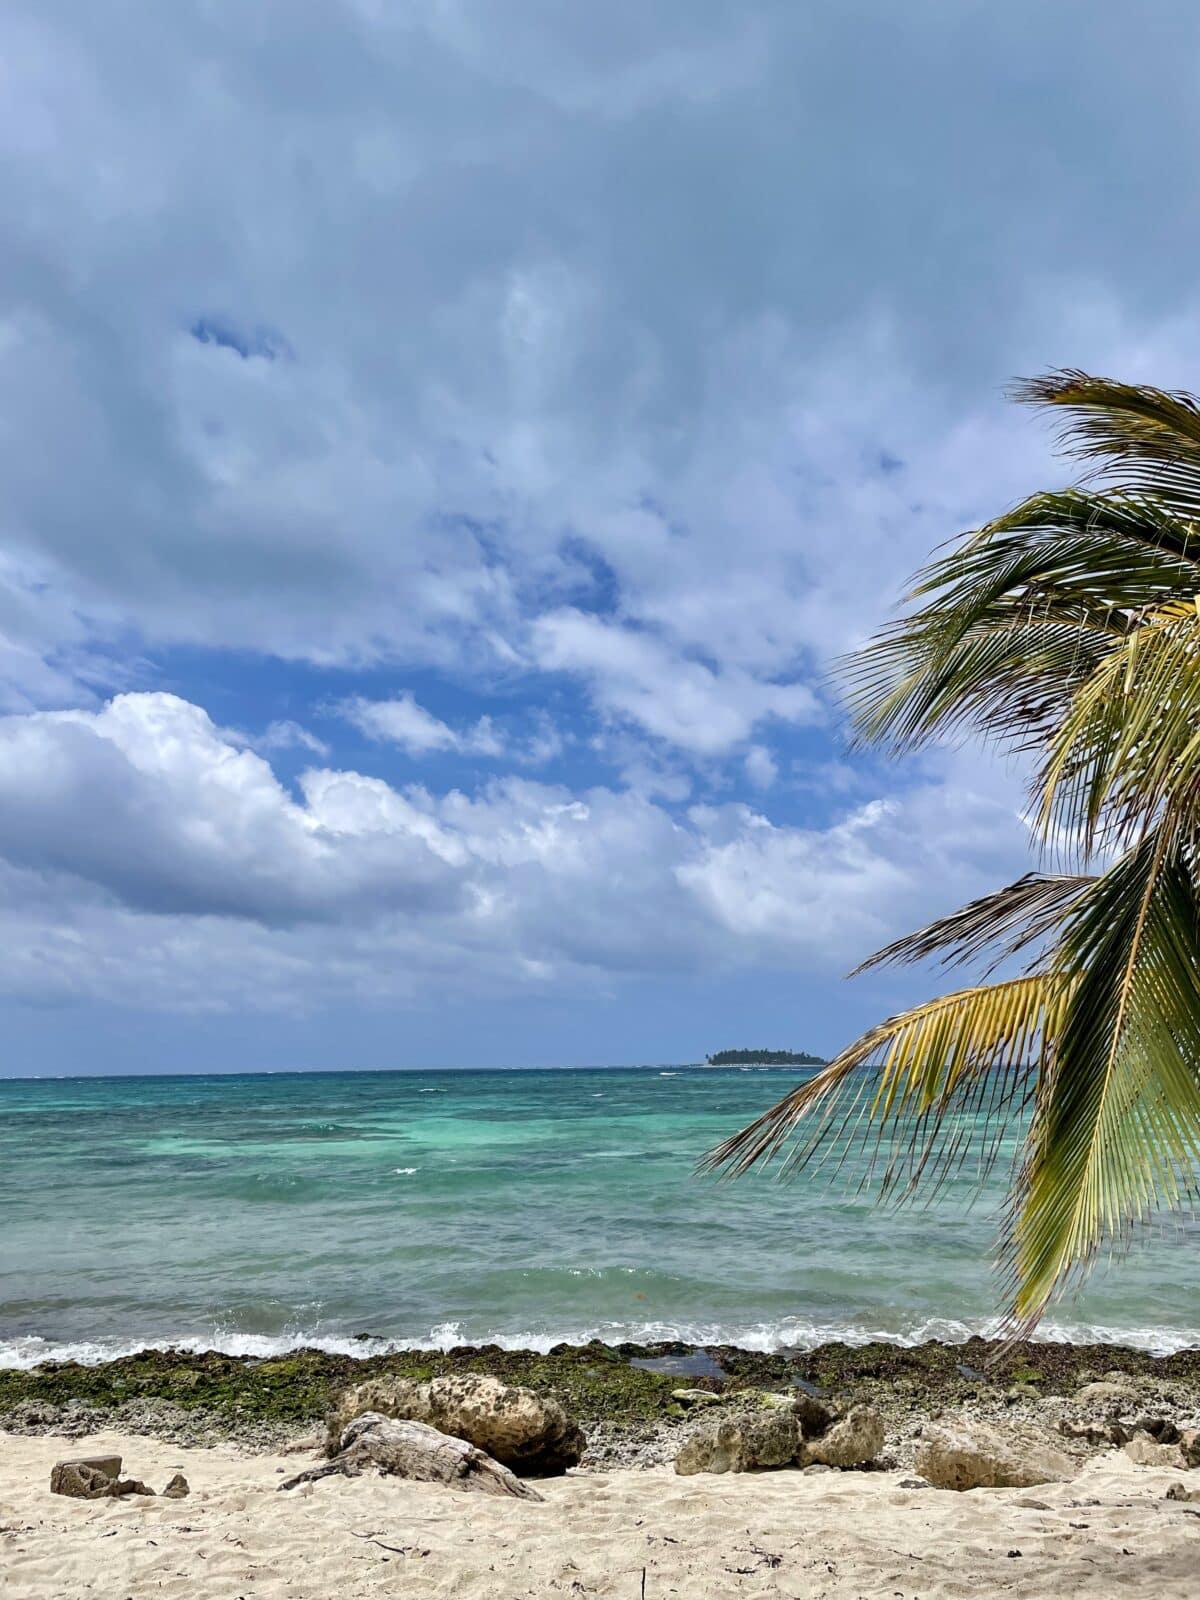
<point x="1110" y="1533"/>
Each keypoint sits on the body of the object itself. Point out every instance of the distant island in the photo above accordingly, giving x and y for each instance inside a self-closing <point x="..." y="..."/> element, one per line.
<point x="764" y="1058"/>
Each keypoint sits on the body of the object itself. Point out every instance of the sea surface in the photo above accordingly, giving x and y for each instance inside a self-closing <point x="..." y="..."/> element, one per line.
<point x="255" y="1212"/>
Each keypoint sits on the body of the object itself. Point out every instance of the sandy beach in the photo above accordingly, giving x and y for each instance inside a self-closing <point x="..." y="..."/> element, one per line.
<point x="1109" y="1532"/>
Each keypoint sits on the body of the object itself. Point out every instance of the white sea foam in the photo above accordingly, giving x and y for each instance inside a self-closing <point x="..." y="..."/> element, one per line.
<point x="29" y="1351"/>
<point x="405" y="1172"/>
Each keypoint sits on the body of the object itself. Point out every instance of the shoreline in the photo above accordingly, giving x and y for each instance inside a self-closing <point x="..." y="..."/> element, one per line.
<point x="623" y="1523"/>
<point x="626" y="1397"/>
<point x="616" y="1535"/>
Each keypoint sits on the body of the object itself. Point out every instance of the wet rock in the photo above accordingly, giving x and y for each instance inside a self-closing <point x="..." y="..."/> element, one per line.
<point x="178" y="1488"/>
<point x="852" y="1442"/>
<point x="517" y="1427"/>
<point x="747" y="1443"/>
<point x="963" y="1453"/>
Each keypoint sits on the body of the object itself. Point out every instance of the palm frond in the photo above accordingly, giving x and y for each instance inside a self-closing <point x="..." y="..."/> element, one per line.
<point x="1116" y="1129"/>
<point x="1021" y="613"/>
<point x="1129" y="746"/>
<point x="973" y="1055"/>
<point x="1004" y="923"/>
<point x="1146" y="440"/>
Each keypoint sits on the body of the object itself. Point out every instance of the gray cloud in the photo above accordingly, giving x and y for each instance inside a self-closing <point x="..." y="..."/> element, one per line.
<point x="145" y="820"/>
<point x="538" y="277"/>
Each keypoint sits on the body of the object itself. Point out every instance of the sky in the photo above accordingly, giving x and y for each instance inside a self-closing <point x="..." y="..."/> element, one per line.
<point x="447" y="447"/>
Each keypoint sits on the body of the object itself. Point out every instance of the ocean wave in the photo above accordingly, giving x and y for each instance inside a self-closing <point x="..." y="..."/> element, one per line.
<point x="26" y="1351"/>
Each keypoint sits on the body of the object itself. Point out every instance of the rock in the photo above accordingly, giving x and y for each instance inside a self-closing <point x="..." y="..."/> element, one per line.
<point x="87" y="1478"/>
<point x="963" y="1453"/>
<point x="697" y="1397"/>
<point x="401" y="1448"/>
<point x="1177" y="1491"/>
<point x="1105" y="1394"/>
<point x="530" y="1434"/>
<point x="1145" y="1451"/>
<point x="1160" y="1429"/>
<point x="1022" y="1391"/>
<point x="1094" y="1433"/>
<point x="1189" y="1445"/>
<point x="84" y="1481"/>
<point x="855" y="1440"/>
<point x="177" y="1488"/>
<point x="747" y="1443"/>
<point x="768" y="1400"/>
<point x="813" y="1417"/>
<point x="307" y="1442"/>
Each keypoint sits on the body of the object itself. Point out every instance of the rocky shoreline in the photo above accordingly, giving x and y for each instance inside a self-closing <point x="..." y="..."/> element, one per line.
<point x="636" y="1404"/>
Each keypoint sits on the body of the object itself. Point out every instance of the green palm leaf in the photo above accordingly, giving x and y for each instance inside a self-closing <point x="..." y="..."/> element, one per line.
<point x="1069" y="627"/>
<point x="1116" y="1131"/>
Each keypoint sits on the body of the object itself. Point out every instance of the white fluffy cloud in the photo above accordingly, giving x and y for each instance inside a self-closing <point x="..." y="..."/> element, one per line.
<point x="402" y="721"/>
<point x="633" y="676"/>
<point x="147" y="854"/>
<point x="626" y="359"/>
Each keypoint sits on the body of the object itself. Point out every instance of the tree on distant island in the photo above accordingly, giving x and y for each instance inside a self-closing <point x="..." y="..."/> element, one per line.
<point x="767" y="1058"/>
<point x="1066" y="631"/>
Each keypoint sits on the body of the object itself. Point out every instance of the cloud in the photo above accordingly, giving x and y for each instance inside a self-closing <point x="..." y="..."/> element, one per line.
<point x="628" y="364"/>
<point x="193" y="849"/>
<point x="760" y="767"/>
<point x="402" y="721"/>
<point x="634" y="677"/>
<point x="283" y="734"/>
<point x="419" y="333"/>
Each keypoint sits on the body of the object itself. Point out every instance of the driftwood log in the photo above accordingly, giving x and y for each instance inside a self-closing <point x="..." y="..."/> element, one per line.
<point x="414" y="1450"/>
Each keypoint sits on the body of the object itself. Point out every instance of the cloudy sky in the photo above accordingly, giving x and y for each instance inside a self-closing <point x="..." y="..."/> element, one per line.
<point x="445" y="446"/>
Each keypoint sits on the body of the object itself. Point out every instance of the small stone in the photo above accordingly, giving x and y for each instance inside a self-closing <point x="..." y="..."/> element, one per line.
<point x="768" y="1400"/>
<point x="1189" y="1445"/>
<point x="915" y="1483"/>
<point x="696" y="1397"/>
<point x="1178" y="1492"/>
<point x="177" y="1488"/>
<point x="1022" y="1391"/>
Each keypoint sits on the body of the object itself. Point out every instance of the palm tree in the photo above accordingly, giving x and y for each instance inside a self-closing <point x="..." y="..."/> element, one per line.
<point x="1067" y="630"/>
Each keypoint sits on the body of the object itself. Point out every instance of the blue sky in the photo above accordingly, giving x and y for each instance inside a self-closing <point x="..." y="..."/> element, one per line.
<point x="448" y="445"/>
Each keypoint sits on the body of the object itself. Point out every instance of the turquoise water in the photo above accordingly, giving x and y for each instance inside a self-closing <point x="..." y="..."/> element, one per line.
<point x="256" y="1212"/>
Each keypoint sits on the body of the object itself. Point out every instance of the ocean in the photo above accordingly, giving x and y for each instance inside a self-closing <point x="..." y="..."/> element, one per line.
<point x="252" y="1213"/>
